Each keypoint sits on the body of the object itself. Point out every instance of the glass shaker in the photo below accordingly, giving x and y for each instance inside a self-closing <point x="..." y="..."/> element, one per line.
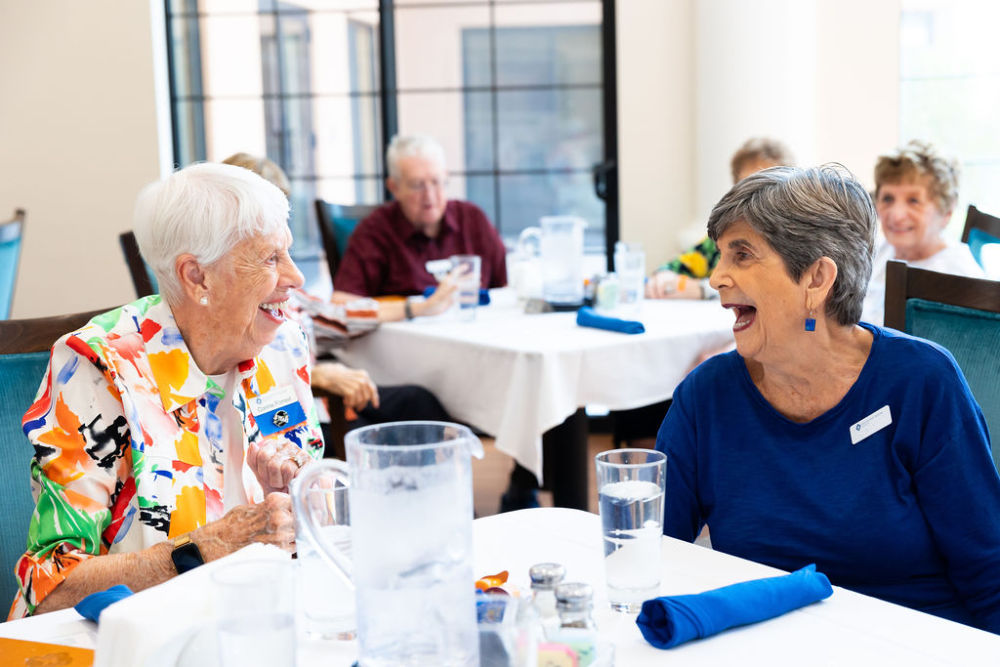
<point x="577" y="630"/>
<point x="544" y="579"/>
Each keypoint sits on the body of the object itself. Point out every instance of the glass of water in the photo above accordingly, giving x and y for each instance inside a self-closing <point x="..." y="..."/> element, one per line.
<point x="255" y="613"/>
<point x="630" y="265"/>
<point x="470" y="268"/>
<point x="630" y="487"/>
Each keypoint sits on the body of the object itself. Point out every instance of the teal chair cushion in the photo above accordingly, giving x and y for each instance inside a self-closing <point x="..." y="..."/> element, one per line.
<point x="973" y="338"/>
<point x="342" y="230"/>
<point x="9" y="253"/>
<point x="22" y="374"/>
<point x="977" y="239"/>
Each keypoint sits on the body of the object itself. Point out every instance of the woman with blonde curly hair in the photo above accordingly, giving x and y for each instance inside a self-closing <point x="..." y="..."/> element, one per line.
<point x="916" y="189"/>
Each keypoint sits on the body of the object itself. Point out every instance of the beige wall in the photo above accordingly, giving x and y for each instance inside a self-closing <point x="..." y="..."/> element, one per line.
<point x="78" y="138"/>
<point x="79" y="132"/>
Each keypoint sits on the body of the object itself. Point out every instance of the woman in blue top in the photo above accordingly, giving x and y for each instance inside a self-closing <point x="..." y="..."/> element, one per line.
<point x="826" y="440"/>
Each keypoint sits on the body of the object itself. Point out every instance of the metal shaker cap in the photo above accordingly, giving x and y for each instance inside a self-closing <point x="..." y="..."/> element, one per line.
<point x="574" y="596"/>
<point x="545" y="576"/>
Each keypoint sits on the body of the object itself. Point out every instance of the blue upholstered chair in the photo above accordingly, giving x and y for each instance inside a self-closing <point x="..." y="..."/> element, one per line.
<point x="142" y="278"/>
<point x="10" y="252"/>
<point x="961" y="314"/>
<point x="980" y="229"/>
<point x="24" y="355"/>
<point x="336" y="224"/>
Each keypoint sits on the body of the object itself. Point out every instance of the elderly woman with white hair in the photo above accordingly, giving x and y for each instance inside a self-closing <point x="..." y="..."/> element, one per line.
<point x="166" y="431"/>
<point x="826" y="440"/>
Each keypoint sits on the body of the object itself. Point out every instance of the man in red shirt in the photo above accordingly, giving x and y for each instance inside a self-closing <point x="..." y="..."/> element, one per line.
<point x="389" y="250"/>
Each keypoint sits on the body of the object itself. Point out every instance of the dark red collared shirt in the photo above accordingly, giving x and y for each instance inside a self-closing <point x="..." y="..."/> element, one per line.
<point x="386" y="254"/>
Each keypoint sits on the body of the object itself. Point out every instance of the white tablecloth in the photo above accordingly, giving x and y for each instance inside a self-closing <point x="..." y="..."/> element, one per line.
<point x="845" y="629"/>
<point x="515" y="376"/>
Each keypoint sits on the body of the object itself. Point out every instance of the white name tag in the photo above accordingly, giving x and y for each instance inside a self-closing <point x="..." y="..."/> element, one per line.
<point x="272" y="400"/>
<point x="873" y="423"/>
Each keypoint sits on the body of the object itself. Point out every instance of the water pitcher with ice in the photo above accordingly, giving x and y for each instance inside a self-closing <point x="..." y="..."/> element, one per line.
<point x="562" y="258"/>
<point x="411" y="542"/>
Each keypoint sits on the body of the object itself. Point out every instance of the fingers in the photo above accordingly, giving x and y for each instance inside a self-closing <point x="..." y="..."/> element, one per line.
<point x="280" y="526"/>
<point x="276" y="465"/>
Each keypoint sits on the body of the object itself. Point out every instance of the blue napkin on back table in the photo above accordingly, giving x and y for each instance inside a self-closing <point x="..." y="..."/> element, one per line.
<point x="586" y="317"/>
<point x="668" y="621"/>
<point x="92" y="605"/>
<point x="484" y="295"/>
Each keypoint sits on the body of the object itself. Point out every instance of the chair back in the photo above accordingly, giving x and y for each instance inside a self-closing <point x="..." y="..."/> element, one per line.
<point x="980" y="229"/>
<point x="959" y="313"/>
<point x="24" y="354"/>
<point x="11" y="233"/>
<point x="142" y="278"/>
<point x="336" y="224"/>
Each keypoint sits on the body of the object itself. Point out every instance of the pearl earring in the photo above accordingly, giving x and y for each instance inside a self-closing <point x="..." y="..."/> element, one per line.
<point x="203" y="300"/>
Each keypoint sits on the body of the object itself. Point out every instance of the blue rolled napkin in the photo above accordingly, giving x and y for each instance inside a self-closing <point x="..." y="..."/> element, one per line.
<point x="586" y="317"/>
<point x="668" y="621"/>
<point x="92" y="605"/>
<point x="484" y="295"/>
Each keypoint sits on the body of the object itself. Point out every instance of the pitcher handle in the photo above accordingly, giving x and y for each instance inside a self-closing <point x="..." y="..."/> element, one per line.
<point x="529" y="236"/>
<point x="299" y="489"/>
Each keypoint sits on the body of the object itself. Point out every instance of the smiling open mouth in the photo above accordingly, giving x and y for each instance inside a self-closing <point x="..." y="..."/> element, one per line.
<point x="275" y="310"/>
<point x="745" y="316"/>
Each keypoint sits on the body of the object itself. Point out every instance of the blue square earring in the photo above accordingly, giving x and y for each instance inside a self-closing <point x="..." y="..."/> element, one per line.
<point x="810" y="322"/>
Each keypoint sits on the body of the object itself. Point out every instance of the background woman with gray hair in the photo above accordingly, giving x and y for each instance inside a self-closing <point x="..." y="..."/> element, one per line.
<point x="916" y="189"/>
<point x="822" y="440"/>
<point x="166" y="431"/>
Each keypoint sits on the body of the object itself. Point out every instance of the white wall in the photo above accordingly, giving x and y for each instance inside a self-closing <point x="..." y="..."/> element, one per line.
<point x="78" y="138"/>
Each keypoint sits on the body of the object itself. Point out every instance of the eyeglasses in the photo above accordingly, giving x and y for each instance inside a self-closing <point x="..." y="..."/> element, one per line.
<point x="420" y="186"/>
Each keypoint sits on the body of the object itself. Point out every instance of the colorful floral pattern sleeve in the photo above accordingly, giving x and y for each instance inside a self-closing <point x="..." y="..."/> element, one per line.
<point x="697" y="262"/>
<point x="128" y="449"/>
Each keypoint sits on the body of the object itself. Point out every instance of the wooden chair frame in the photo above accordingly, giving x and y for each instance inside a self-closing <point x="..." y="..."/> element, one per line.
<point x="976" y="219"/>
<point x="136" y="265"/>
<point x="904" y="282"/>
<point x="330" y="247"/>
<point x="39" y="334"/>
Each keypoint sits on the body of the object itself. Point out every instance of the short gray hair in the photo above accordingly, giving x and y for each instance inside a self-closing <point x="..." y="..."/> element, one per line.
<point x="205" y="210"/>
<point x="805" y="214"/>
<point x="413" y="145"/>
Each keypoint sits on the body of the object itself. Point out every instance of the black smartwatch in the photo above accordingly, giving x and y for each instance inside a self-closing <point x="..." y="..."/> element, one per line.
<point x="185" y="555"/>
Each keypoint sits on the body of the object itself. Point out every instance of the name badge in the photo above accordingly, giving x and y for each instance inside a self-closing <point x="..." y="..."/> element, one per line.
<point x="873" y="423"/>
<point x="277" y="410"/>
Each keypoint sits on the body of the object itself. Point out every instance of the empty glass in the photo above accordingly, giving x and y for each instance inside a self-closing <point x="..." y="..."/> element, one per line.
<point x="630" y="265"/>
<point x="470" y="268"/>
<point x="255" y="613"/>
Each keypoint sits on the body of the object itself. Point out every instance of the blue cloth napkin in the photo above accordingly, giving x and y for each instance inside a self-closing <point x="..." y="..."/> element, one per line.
<point x="668" y="621"/>
<point x="484" y="295"/>
<point x="92" y="605"/>
<point x="586" y="317"/>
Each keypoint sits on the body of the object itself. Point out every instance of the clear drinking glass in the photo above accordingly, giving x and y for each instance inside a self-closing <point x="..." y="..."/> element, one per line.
<point x="630" y="265"/>
<point x="630" y="488"/>
<point x="255" y="613"/>
<point x="468" y="284"/>
<point x="325" y="591"/>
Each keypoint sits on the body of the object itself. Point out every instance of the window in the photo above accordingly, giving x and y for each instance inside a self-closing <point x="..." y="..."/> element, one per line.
<point x="950" y="90"/>
<point x="512" y="89"/>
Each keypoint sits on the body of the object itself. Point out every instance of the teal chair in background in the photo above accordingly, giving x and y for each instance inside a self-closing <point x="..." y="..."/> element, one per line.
<point x="11" y="233"/>
<point x="980" y="229"/>
<point x="142" y="278"/>
<point x="961" y="314"/>
<point x="24" y="354"/>
<point x="336" y="224"/>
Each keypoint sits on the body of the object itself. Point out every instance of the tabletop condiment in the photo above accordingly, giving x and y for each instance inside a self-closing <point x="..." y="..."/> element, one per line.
<point x="544" y="579"/>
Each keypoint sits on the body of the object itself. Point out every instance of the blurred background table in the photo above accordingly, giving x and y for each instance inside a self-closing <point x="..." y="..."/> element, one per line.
<point x="517" y="376"/>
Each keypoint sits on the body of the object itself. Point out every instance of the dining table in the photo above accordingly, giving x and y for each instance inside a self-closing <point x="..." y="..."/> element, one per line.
<point x="519" y="375"/>
<point x="171" y="625"/>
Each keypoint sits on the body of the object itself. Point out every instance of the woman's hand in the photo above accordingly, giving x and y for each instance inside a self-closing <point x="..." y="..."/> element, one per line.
<point x="275" y="464"/>
<point x="668" y="285"/>
<point x="269" y="522"/>
<point x="352" y="384"/>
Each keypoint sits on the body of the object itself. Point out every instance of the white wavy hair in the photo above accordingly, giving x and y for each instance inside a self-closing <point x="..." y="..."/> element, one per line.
<point x="410" y="145"/>
<point x="205" y="210"/>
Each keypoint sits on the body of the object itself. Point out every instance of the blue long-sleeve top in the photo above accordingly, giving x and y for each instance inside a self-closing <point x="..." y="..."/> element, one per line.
<point x="910" y="514"/>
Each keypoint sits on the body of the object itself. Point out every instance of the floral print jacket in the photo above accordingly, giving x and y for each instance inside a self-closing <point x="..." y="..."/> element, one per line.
<point x="128" y="441"/>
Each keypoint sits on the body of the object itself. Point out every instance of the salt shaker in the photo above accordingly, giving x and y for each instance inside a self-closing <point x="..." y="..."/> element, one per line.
<point x="544" y="579"/>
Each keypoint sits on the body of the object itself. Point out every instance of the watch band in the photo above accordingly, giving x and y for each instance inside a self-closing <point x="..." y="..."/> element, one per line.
<point x="185" y="554"/>
<point x="408" y="308"/>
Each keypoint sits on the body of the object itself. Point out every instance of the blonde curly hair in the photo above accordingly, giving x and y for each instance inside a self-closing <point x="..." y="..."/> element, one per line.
<point x="916" y="161"/>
